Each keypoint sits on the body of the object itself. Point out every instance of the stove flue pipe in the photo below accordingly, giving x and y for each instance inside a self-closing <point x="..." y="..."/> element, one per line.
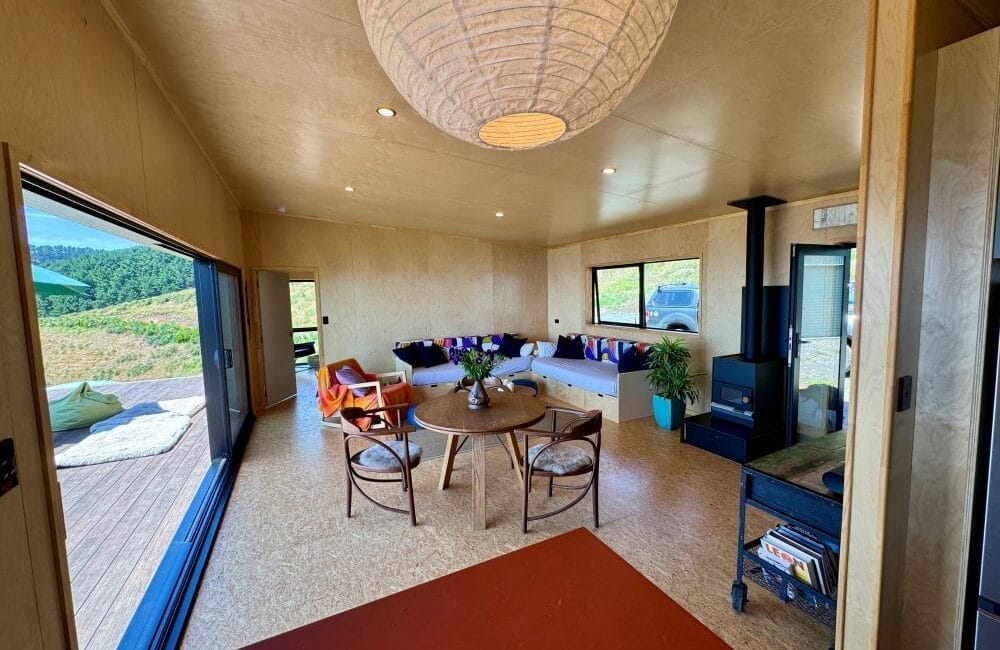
<point x="751" y="343"/>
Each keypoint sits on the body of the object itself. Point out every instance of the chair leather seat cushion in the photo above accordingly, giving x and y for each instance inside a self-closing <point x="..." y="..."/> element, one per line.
<point x="560" y="459"/>
<point x="377" y="457"/>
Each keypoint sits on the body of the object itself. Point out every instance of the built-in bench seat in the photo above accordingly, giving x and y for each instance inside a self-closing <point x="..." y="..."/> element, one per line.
<point x="601" y="380"/>
<point x="441" y="378"/>
<point x="594" y="376"/>
<point x="598" y="382"/>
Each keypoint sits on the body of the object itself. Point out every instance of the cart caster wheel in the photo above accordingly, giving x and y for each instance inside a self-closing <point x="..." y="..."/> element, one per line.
<point x="739" y="596"/>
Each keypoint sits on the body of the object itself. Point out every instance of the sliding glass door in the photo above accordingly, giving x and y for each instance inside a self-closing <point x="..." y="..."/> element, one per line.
<point x="233" y="354"/>
<point x="220" y="309"/>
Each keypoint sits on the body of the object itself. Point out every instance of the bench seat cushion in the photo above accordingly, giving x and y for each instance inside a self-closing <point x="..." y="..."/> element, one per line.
<point x="593" y="376"/>
<point x="449" y="373"/>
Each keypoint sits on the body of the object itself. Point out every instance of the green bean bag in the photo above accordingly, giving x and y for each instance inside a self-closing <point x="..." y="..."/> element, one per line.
<point x="82" y="408"/>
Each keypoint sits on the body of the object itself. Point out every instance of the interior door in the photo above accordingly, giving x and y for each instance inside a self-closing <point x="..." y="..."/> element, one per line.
<point x="276" y="336"/>
<point x="818" y="340"/>
<point x="35" y="606"/>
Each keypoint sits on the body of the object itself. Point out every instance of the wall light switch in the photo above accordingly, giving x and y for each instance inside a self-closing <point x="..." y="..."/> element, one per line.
<point x="326" y="320"/>
<point x="557" y="321"/>
<point x="8" y="468"/>
<point x="904" y="393"/>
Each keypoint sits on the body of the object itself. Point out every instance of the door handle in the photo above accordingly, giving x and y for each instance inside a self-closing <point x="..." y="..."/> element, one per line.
<point x="227" y="357"/>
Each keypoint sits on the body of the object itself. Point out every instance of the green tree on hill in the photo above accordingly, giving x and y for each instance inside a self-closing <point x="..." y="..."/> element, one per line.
<point x="116" y="276"/>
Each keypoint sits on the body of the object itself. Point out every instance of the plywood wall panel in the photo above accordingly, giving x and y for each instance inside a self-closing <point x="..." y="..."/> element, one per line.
<point x="565" y="291"/>
<point x="79" y="118"/>
<point x="171" y="189"/>
<point x="381" y="285"/>
<point x="960" y="209"/>
<point x="721" y="245"/>
<point x="520" y="290"/>
<point x="391" y="282"/>
<point x="790" y="224"/>
<point x="83" y="109"/>
<point x="464" y="271"/>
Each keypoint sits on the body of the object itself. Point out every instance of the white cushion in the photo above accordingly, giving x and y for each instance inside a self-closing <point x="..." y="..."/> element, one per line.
<point x="546" y="348"/>
<point x="560" y="459"/>
<point x="378" y="457"/>
<point x="527" y="349"/>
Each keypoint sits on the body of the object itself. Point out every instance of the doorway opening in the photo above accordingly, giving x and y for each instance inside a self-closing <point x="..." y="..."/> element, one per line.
<point x="135" y="331"/>
<point x="305" y="328"/>
<point x="291" y="342"/>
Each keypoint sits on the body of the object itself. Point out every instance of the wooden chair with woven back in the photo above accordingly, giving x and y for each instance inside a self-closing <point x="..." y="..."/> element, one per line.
<point x="570" y="449"/>
<point x="379" y="457"/>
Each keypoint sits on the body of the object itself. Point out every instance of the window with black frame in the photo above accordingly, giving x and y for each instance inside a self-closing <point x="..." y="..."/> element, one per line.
<point x="661" y="295"/>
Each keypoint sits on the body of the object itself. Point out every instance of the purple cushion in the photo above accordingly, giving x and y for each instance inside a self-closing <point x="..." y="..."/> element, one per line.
<point x="348" y="375"/>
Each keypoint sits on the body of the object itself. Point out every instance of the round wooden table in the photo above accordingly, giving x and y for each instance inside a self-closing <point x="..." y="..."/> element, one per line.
<point x="452" y="416"/>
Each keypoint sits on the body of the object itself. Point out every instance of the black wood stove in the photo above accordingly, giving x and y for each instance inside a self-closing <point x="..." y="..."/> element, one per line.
<point x="747" y="416"/>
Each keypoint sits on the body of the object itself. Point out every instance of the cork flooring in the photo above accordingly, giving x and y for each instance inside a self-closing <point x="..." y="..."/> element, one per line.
<point x="286" y="555"/>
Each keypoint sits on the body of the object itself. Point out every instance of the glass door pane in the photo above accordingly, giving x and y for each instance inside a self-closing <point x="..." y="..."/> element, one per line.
<point x="819" y="350"/>
<point x="233" y="355"/>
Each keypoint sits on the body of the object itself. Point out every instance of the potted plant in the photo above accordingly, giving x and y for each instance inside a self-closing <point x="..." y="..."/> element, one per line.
<point x="477" y="366"/>
<point x="672" y="379"/>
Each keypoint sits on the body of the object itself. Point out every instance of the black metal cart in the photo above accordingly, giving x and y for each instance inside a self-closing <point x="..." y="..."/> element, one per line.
<point x="786" y="485"/>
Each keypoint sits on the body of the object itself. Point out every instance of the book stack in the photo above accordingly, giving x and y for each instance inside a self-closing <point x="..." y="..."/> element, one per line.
<point x="802" y="556"/>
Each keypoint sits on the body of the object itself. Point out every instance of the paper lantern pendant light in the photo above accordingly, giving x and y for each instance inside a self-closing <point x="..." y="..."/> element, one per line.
<point x="515" y="74"/>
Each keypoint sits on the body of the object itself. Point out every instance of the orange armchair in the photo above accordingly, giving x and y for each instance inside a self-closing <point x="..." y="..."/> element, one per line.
<point x="382" y="389"/>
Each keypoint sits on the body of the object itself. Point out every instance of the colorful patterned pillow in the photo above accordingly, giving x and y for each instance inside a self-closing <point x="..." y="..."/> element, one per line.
<point x="613" y="351"/>
<point x="591" y="348"/>
<point x="492" y="342"/>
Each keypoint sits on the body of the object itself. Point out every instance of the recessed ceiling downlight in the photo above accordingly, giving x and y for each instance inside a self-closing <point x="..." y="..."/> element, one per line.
<point x="608" y="170"/>
<point x="385" y="111"/>
<point x="499" y="215"/>
<point x="349" y="188"/>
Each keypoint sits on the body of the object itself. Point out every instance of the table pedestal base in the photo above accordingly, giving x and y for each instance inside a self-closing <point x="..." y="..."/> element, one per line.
<point x="478" y="470"/>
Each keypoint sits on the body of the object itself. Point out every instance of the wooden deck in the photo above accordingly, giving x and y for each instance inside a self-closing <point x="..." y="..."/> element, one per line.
<point x="121" y="516"/>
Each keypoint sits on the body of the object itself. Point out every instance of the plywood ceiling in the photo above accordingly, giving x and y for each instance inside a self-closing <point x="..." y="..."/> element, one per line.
<point x="745" y="97"/>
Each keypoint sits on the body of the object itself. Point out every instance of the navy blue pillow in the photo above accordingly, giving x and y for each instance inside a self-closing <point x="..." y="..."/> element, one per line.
<point x="409" y="354"/>
<point x="628" y="360"/>
<point x="431" y="355"/>
<point x="569" y="348"/>
<point x="510" y="346"/>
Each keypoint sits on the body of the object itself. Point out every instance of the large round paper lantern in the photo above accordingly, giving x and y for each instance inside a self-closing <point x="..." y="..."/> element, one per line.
<point x="515" y="74"/>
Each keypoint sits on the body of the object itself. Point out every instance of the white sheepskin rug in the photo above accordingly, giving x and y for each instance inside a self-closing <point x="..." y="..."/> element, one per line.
<point x="145" y="429"/>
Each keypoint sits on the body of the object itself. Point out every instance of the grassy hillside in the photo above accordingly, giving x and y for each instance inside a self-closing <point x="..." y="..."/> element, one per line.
<point x="140" y="339"/>
<point x="149" y="338"/>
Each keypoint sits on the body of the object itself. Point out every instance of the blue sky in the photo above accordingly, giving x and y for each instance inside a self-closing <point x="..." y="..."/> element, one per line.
<point x="46" y="229"/>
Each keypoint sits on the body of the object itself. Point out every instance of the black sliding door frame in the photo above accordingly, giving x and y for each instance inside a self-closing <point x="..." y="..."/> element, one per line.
<point x="159" y="620"/>
<point x="795" y="300"/>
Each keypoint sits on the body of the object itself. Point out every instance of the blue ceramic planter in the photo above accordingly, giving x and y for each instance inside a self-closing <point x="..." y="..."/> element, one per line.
<point x="668" y="413"/>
